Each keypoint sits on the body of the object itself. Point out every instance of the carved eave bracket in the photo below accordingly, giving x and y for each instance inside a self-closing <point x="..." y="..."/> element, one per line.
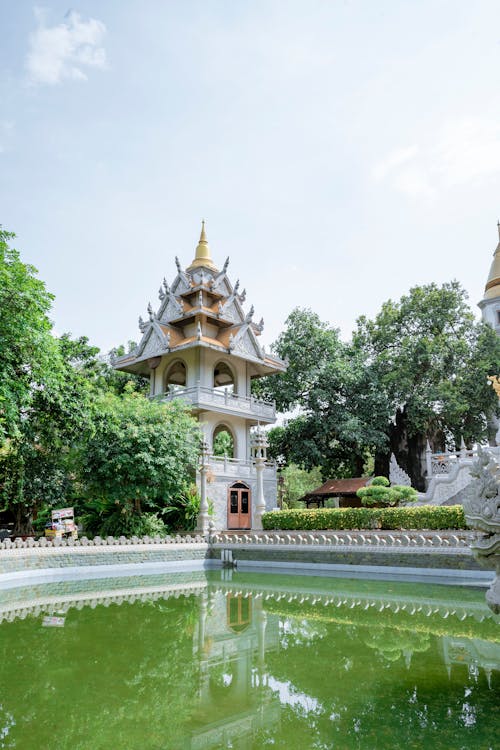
<point x="217" y="280"/>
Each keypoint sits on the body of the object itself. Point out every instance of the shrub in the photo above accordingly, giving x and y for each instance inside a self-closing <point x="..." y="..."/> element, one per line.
<point x="123" y="522"/>
<point x="379" y="492"/>
<point x="380" y="482"/>
<point x="420" y="517"/>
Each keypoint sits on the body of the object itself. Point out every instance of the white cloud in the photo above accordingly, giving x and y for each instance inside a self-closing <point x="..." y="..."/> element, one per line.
<point x="60" y="52"/>
<point x="464" y="152"/>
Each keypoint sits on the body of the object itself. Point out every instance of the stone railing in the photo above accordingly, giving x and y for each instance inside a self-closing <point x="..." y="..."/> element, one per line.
<point x="236" y="467"/>
<point x="386" y="540"/>
<point x="98" y="541"/>
<point x="224" y="400"/>
<point x="438" y="464"/>
<point x="445" y="540"/>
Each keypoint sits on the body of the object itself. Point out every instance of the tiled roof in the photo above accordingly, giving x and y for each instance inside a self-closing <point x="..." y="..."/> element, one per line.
<point x="335" y="487"/>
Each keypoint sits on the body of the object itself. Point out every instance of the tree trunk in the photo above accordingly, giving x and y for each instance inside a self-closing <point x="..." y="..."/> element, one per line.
<point x="23" y="521"/>
<point x="381" y="467"/>
<point x="409" y="451"/>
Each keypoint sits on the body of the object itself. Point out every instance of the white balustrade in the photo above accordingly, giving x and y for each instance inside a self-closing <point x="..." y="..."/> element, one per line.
<point x="223" y="399"/>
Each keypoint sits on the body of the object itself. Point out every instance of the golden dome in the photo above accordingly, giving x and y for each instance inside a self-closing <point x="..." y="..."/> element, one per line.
<point x="202" y="256"/>
<point x="492" y="288"/>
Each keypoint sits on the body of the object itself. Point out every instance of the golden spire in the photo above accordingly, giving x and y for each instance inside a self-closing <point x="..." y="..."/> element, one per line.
<point x="492" y="288"/>
<point x="202" y="256"/>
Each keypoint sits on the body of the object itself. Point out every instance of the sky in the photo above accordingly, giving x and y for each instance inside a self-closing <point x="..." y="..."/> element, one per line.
<point x="340" y="151"/>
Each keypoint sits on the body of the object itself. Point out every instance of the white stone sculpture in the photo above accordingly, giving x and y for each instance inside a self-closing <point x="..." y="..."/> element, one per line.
<point x="397" y="475"/>
<point x="482" y="512"/>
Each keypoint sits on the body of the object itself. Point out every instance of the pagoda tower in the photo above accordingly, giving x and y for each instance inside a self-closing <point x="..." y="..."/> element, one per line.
<point x="490" y="304"/>
<point x="201" y="346"/>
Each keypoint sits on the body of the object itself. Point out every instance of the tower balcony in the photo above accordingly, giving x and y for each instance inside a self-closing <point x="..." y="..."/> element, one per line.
<point x="240" y="468"/>
<point x="225" y="402"/>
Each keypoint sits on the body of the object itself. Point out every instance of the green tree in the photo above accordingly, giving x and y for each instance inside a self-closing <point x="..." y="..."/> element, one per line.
<point x="223" y="444"/>
<point x="27" y="349"/>
<point x="139" y="458"/>
<point x="37" y="462"/>
<point x="297" y="482"/>
<point x="339" y="411"/>
<point x="430" y="359"/>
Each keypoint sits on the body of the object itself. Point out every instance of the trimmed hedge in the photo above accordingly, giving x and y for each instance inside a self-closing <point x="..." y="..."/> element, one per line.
<point x="404" y="518"/>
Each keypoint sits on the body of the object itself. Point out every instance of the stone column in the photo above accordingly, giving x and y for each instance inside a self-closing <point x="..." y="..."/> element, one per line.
<point x="259" y="447"/>
<point x="428" y="463"/>
<point x="203" y="518"/>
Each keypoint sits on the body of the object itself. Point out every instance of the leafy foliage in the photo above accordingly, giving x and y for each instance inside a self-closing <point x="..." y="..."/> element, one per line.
<point x="223" y="444"/>
<point x="141" y="454"/>
<point x="379" y="492"/>
<point x="430" y="359"/>
<point x="36" y="462"/>
<point x="420" y="517"/>
<point x="341" y="411"/>
<point x="27" y="349"/>
<point x="297" y="482"/>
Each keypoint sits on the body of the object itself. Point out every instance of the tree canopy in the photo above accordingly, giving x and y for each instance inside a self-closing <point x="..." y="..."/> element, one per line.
<point x="342" y="413"/>
<point x="417" y="371"/>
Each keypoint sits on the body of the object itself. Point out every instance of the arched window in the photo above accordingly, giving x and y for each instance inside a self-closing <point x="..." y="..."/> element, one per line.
<point x="224" y="377"/>
<point x="223" y="441"/>
<point x="176" y="376"/>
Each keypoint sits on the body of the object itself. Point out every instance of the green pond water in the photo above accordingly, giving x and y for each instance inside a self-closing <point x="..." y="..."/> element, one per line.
<point x="219" y="660"/>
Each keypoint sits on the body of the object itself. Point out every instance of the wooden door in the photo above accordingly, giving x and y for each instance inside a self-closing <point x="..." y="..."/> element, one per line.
<point x="239" y="511"/>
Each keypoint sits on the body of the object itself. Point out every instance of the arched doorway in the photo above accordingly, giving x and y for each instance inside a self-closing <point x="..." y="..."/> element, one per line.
<point x="224" y="377"/>
<point x="239" y="506"/>
<point x="223" y="442"/>
<point x="176" y="376"/>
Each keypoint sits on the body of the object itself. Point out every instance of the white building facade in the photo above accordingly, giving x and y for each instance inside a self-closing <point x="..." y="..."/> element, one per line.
<point x="201" y="346"/>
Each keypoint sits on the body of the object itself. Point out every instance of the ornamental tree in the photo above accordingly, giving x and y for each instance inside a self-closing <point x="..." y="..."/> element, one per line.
<point x="380" y="492"/>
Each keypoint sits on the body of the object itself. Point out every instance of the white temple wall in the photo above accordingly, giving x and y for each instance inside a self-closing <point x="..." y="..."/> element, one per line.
<point x="217" y="493"/>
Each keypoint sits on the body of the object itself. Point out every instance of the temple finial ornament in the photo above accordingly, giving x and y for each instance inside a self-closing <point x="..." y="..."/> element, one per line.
<point x="142" y="324"/>
<point x="150" y="312"/>
<point x="202" y="256"/>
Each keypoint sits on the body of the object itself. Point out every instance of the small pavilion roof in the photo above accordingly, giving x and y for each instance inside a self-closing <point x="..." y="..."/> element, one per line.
<point x="337" y="487"/>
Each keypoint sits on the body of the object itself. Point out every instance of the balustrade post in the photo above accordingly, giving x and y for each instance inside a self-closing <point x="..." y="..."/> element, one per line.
<point x="259" y="454"/>
<point x="203" y="519"/>
<point x="428" y="460"/>
<point x="225" y="395"/>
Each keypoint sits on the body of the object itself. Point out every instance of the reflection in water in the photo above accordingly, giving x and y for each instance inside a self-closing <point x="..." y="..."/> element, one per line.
<point x="199" y="662"/>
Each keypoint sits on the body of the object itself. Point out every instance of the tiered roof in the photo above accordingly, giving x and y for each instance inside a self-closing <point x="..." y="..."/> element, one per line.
<point x="202" y="308"/>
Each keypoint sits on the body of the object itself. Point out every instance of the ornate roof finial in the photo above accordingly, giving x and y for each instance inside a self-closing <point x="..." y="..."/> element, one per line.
<point x="202" y="256"/>
<point x="498" y="227"/>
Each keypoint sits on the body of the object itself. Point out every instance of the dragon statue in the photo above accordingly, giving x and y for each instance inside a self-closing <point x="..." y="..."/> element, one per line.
<point x="482" y="513"/>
